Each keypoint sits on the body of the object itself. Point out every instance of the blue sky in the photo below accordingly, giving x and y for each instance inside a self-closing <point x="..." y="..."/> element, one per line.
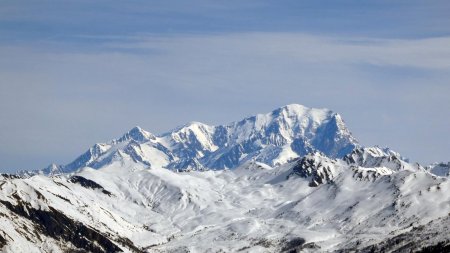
<point x="73" y="73"/>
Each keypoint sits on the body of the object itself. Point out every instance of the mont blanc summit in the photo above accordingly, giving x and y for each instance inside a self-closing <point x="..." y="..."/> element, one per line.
<point x="274" y="138"/>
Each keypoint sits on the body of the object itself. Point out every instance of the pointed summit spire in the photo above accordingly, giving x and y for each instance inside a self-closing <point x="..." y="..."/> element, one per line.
<point x="138" y="134"/>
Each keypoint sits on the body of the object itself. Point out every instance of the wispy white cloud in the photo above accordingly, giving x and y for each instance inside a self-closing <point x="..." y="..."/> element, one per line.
<point x="428" y="53"/>
<point x="55" y="93"/>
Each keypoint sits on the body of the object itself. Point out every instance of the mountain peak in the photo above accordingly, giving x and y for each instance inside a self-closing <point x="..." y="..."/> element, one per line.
<point x="294" y="107"/>
<point x="301" y="110"/>
<point x="273" y="138"/>
<point x="440" y="169"/>
<point x="371" y="157"/>
<point x="52" y="169"/>
<point x="138" y="134"/>
<point x="191" y="125"/>
<point x="318" y="168"/>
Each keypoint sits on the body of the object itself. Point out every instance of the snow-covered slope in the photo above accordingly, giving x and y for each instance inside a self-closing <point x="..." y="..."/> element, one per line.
<point x="314" y="203"/>
<point x="293" y="180"/>
<point x="274" y="138"/>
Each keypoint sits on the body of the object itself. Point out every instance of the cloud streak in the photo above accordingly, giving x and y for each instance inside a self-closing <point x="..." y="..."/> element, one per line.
<point x="60" y="99"/>
<point x="429" y="53"/>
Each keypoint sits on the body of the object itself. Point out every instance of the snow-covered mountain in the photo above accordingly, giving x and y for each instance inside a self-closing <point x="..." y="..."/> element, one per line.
<point x="298" y="182"/>
<point x="275" y="138"/>
<point x="439" y="169"/>
<point x="376" y="157"/>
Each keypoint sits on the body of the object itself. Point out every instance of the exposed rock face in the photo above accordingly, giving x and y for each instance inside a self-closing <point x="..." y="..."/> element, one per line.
<point x="318" y="168"/>
<point x="88" y="183"/>
<point x="58" y="226"/>
<point x="423" y="238"/>
<point x="370" y="174"/>
<point x="3" y="241"/>
<point x="53" y="223"/>
<point x="372" y="157"/>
